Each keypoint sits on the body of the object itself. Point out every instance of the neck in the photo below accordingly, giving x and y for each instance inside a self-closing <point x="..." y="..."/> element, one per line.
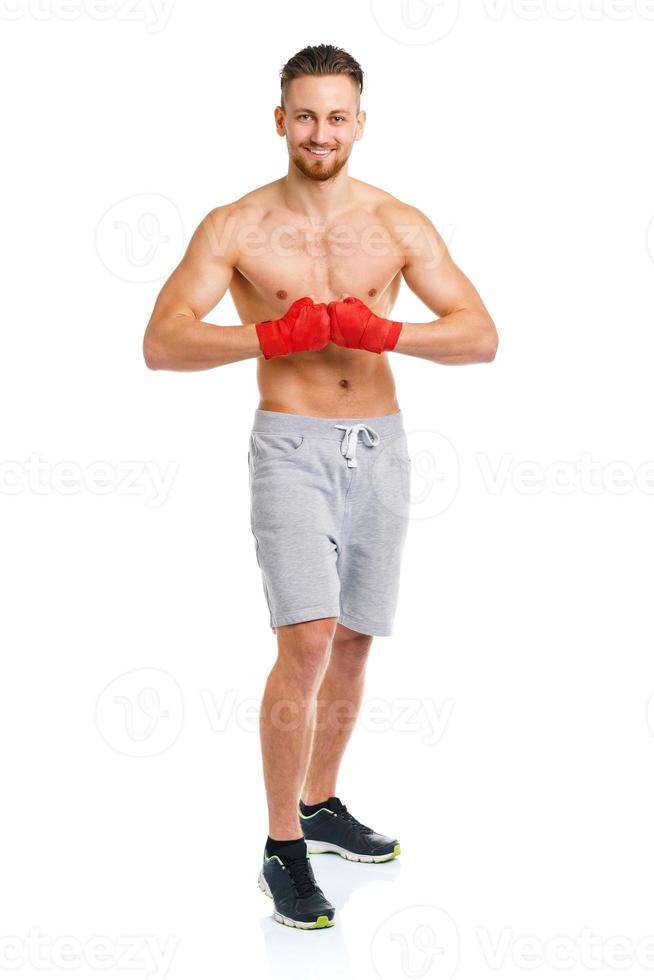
<point x="316" y="197"/>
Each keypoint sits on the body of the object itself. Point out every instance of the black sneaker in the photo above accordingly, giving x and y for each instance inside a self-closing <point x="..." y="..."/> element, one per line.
<point x="332" y="829"/>
<point x="287" y="878"/>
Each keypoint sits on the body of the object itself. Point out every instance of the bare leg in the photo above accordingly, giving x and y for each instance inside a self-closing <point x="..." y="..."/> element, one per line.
<point x="287" y="716"/>
<point x="339" y="700"/>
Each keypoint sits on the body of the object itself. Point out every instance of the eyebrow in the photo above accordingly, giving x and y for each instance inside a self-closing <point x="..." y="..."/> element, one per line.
<point x="343" y="112"/>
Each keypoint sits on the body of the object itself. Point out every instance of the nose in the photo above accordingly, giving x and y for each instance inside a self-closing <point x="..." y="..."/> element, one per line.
<point x="320" y="135"/>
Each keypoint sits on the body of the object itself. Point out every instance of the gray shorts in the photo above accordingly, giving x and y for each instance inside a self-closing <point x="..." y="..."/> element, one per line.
<point x="329" y="511"/>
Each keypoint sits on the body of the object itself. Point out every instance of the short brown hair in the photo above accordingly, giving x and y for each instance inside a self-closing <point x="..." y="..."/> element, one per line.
<point x="321" y="59"/>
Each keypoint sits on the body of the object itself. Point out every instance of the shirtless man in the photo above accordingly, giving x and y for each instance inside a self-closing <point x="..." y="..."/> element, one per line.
<point x="314" y="262"/>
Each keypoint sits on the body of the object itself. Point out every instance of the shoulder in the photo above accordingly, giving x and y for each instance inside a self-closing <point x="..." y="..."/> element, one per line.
<point x="406" y="225"/>
<point x="226" y="224"/>
<point x="251" y="207"/>
<point x="396" y="215"/>
<point x="219" y="231"/>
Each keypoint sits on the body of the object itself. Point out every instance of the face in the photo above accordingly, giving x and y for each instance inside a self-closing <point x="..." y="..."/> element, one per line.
<point x="321" y="123"/>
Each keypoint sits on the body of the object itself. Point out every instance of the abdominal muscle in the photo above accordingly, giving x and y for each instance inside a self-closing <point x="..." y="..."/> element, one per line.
<point x="332" y="383"/>
<point x="335" y="382"/>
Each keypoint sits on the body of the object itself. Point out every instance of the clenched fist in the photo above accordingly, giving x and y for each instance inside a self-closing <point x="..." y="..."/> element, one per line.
<point x="354" y="325"/>
<point x="304" y="326"/>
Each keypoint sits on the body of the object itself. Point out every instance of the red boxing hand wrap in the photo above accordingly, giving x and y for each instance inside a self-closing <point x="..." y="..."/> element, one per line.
<point x="304" y="326"/>
<point x="354" y="325"/>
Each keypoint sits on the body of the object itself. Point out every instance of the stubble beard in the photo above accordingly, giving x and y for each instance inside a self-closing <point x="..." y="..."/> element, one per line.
<point x="319" y="171"/>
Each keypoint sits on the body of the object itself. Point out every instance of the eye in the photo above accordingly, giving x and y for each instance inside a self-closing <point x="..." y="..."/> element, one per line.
<point x="339" y="117"/>
<point x="304" y="115"/>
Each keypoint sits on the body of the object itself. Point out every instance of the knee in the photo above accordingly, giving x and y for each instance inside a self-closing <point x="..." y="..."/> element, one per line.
<point x="350" y="651"/>
<point x="304" y="649"/>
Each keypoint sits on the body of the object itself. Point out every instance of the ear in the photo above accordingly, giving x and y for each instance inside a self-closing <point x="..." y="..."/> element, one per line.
<point x="280" y="121"/>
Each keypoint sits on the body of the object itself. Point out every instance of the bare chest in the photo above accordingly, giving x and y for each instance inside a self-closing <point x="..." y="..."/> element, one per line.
<point x="286" y="259"/>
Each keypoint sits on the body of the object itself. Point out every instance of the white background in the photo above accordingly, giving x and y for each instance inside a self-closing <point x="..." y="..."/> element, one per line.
<point x="134" y="805"/>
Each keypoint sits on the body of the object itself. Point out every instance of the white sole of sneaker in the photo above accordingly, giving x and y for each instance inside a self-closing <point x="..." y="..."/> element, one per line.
<point x="322" y="922"/>
<point x="322" y="847"/>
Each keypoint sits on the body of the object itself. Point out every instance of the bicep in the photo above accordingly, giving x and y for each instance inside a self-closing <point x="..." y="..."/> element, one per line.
<point x="203" y="276"/>
<point x="431" y="273"/>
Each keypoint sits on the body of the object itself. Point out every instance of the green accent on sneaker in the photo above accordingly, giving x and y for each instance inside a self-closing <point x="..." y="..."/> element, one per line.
<point x="308" y="816"/>
<point x="381" y="859"/>
<point x="322" y="922"/>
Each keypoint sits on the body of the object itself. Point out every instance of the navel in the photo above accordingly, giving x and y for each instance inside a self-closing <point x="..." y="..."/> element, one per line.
<point x="343" y="383"/>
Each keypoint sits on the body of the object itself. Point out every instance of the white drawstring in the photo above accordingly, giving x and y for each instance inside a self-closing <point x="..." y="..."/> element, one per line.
<point x="351" y="438"/>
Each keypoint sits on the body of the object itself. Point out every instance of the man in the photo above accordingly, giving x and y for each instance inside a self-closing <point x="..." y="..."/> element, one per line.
<point x="314" y="262"/>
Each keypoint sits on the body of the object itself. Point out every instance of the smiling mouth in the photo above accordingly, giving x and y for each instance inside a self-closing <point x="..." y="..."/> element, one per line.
<point x="318" y="154"/>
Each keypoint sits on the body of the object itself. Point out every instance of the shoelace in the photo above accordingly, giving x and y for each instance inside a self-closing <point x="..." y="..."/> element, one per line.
<point x="343" y="812"/>
<point x="298" y="868"/>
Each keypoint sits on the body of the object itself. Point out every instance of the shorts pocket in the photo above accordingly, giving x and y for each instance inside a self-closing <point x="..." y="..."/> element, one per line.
<point x="400" y="451"/>
<point x="392" y="480"/>
<point x="270" y="446"/>
<point x="403" y="464"/>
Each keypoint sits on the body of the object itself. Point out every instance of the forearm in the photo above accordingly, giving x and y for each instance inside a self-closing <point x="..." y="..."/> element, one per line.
<point x="464" y="337"/>
<point x="181" y="343"/>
